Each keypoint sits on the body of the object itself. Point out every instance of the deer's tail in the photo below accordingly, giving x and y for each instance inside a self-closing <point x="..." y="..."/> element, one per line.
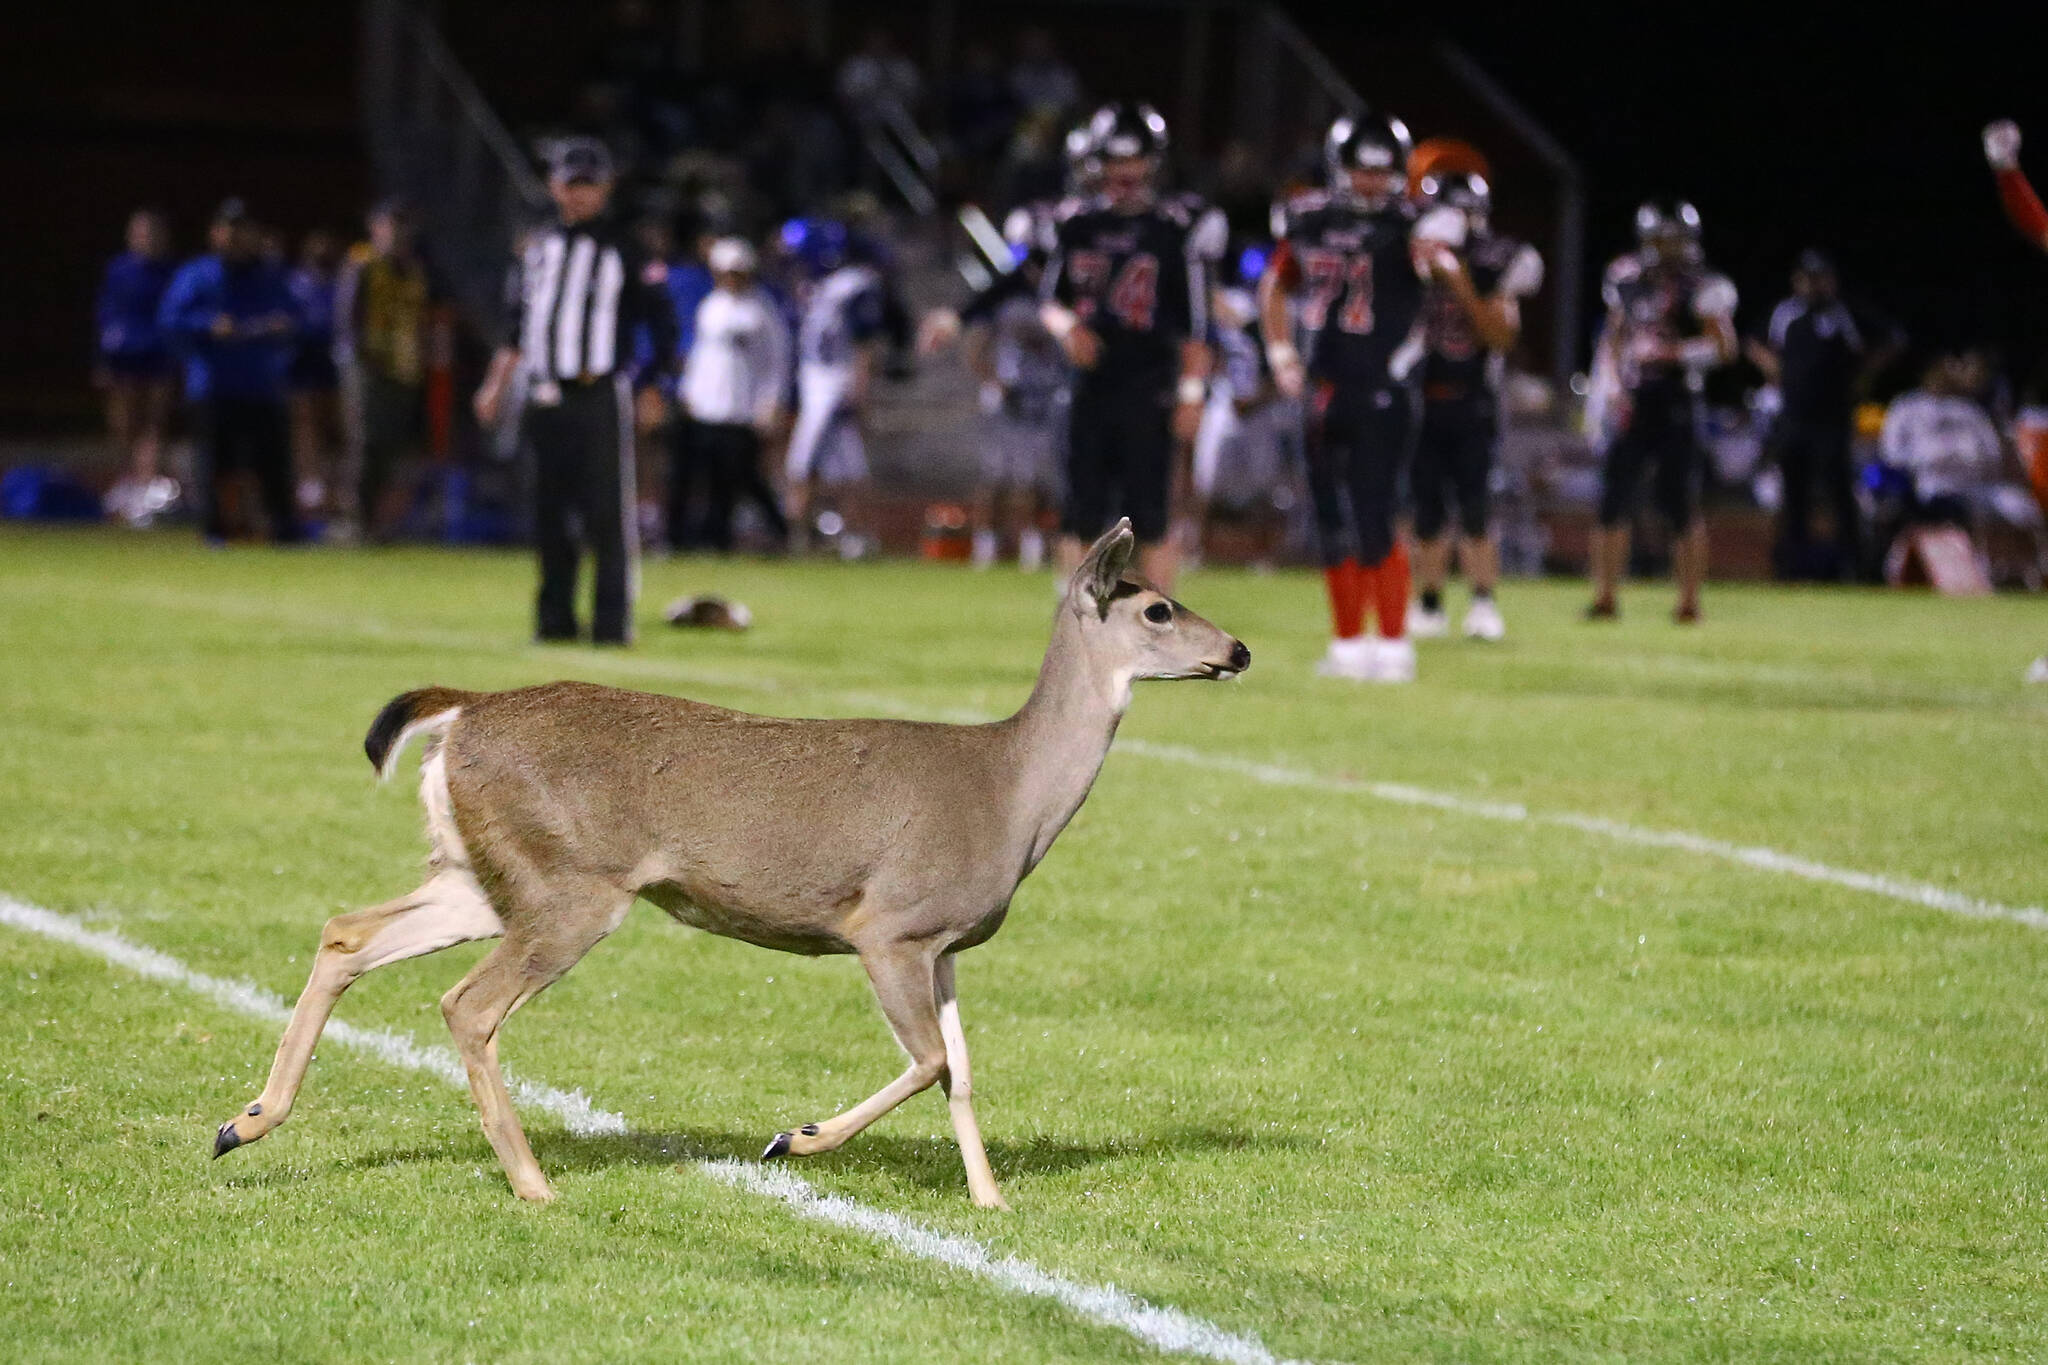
<point x="427" y="711"/>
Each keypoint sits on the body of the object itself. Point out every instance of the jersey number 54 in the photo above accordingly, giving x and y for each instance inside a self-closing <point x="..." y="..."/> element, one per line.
<point x="1133" y="296"/>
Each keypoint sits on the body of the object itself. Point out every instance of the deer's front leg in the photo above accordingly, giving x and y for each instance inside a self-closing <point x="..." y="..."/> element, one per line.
<point x="903" y="977"/>
<point x="981" y="1180"/>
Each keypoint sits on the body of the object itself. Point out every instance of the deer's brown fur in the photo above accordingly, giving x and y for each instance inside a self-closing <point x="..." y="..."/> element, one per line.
<point x="550" y="809"/>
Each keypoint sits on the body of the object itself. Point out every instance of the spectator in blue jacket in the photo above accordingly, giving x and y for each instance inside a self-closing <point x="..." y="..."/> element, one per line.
<point x="231" y="317"/>
<point x="131" y="365"/>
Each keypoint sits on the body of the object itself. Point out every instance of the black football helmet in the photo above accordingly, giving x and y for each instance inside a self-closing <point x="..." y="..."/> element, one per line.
<point x="1661" y="219"/>
<point x="1365" y="142"/>
<point x="1466" y="191"/>
<point x="1126" y="128"/>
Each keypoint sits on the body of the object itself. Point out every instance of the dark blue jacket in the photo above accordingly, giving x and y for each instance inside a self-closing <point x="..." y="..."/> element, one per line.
<point x="130" y="293"/>
<point x="687" y="282"/>
<point x="245" y="364"/>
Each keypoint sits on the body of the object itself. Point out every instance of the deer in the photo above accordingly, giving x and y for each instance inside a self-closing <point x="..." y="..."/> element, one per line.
<point x="551" y="809"/>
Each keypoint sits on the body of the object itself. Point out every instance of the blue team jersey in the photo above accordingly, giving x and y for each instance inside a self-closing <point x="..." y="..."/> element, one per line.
<point x="126" y="316"/>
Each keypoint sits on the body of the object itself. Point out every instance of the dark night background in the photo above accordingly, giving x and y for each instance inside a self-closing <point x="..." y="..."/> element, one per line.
<point x="1788" y="126"/>
<point x="1791" y="127"/>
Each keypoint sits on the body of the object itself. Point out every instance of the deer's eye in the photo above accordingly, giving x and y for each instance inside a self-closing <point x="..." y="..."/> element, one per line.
<point x="1159" y="613"/>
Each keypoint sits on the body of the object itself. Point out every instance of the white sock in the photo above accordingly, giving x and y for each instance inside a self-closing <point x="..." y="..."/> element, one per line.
<point x="985" y="548"/>
<point x="1030" y="549"/>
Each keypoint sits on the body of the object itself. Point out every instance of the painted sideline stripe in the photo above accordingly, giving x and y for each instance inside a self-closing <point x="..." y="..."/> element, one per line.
<point x="1164" y="1329"/>
<point x="1756" y="857"/>
<point x="1747" y="855"/>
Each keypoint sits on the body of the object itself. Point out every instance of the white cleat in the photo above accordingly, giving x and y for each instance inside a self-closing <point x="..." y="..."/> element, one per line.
<point x="1351" y="660"/>
<point x="1393" y="661"/>
<point x="1425" y="624"/>
<point x="2038" y="672"/>
<point x="1482" y="621"/>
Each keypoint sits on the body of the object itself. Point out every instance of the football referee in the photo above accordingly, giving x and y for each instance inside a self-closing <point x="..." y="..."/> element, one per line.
<point x="584" y="289"/>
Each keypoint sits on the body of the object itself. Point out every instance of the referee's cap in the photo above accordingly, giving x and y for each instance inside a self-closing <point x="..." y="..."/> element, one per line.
<point x="731" y="256"/>
<point x="580" y="160"/>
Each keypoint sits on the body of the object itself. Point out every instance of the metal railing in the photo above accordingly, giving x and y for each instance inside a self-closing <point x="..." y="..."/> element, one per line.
<point x="435" y="141"/>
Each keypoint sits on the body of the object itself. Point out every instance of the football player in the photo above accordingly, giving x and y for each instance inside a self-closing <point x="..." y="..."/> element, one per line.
<point x="1670" y="319"/>
<point x="1351" y="256"/>
<point x="2023" y="207"/>
<point x="1126" y="296"/>
<point x="1024" y="381"/>
<point x="1471" y="319"/>
<point x="838" y="337"/>
<point x="1238" y="449"/>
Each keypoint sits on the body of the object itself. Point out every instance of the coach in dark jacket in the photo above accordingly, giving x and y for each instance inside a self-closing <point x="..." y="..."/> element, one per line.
<point x="1817" y="350"/>
<point x="231" y="318"/>
<point x="585" y="289"/>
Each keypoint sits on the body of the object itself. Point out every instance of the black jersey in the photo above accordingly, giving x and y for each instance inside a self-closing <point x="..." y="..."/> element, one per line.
<point x="1459" y="365"/>
<point x="1360" y="295"/>
<point x="1139" y="280"/>
<point x="1652" y="304"/>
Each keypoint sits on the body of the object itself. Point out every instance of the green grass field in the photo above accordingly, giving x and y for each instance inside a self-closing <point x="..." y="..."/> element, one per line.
<point x="1370" y="1080"/>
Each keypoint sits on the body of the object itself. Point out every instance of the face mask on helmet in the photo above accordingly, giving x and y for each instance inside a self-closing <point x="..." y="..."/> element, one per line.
<point x="1125" y="144"/>
<point x="1464" y="191"/>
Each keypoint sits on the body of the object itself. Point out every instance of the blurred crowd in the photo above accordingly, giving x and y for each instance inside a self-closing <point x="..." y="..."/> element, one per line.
<point x="299" y="377"/>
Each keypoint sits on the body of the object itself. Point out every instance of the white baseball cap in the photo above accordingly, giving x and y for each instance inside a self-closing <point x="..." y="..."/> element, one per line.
<point x="731" y="256"/>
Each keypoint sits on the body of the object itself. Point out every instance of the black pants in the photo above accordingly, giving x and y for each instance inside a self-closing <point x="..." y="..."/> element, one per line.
<point x="1359" y="438"/>
<point x="712" y="467"/>
<point x="1660" y="433"/>
<point x="1454" y="457"/>
<point x="584" y="496"/>
<point x="246" y="435"/>
<point x="389" y="415"/>
<point x="1119" y="456"/>
<point x="1812" y="453"/>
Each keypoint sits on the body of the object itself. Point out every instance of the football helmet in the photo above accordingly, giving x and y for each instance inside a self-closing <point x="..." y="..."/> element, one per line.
<point x="1465" y="191"/>
<point x="1365" y="142"/>
<point x="1126" y="128"/>
<point x="1665" y="219"/>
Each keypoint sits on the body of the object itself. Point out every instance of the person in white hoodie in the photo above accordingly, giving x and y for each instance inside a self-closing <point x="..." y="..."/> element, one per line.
<point x="732" y="388"/>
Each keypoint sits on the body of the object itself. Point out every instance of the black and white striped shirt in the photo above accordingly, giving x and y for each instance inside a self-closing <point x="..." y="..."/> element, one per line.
<point x="583" y="293"/>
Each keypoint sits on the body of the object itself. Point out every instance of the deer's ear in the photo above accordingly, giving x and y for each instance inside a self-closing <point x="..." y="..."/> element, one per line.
<point x="1104" y="566"/>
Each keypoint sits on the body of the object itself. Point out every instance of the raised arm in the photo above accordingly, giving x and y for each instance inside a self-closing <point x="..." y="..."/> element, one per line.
<point x="2022" y="205"/>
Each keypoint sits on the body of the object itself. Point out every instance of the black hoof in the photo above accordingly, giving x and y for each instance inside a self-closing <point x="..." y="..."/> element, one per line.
<point x="779" y="1147"/>
<point x="226" y="1140"/>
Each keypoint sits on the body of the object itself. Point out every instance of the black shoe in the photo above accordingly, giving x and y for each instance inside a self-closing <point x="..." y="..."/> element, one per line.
<point x="1602" y="609"/>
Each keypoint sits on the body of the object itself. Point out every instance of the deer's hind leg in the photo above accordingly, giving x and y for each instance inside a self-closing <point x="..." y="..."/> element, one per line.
<point x="903" y="978"/>
<point x="450" y="908"/>
<point x="542" y="942"/>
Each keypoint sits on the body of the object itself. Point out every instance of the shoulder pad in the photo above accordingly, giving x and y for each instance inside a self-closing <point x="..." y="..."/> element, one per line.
<point x="1524" y="274"/>
<point x="1714" y="297"/>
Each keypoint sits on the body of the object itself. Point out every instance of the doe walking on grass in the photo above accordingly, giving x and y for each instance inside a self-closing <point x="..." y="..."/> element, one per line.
<point x="551" y="809"/>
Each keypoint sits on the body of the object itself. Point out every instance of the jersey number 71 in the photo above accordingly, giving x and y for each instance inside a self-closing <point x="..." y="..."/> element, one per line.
<point x="1329" y="274"/>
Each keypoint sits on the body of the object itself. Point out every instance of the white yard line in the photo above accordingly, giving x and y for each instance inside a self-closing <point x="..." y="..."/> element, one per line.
<point x="1747" y="855"/>
<point x="1162" y="1328"/>
<point x="1755" y="857"/>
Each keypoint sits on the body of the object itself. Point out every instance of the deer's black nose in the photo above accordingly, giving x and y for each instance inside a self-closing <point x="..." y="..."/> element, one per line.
<point x="1240" y="657"/>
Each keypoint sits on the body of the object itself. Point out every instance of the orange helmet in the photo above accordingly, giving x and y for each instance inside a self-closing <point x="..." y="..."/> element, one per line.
<point x="1444" y="156"/>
